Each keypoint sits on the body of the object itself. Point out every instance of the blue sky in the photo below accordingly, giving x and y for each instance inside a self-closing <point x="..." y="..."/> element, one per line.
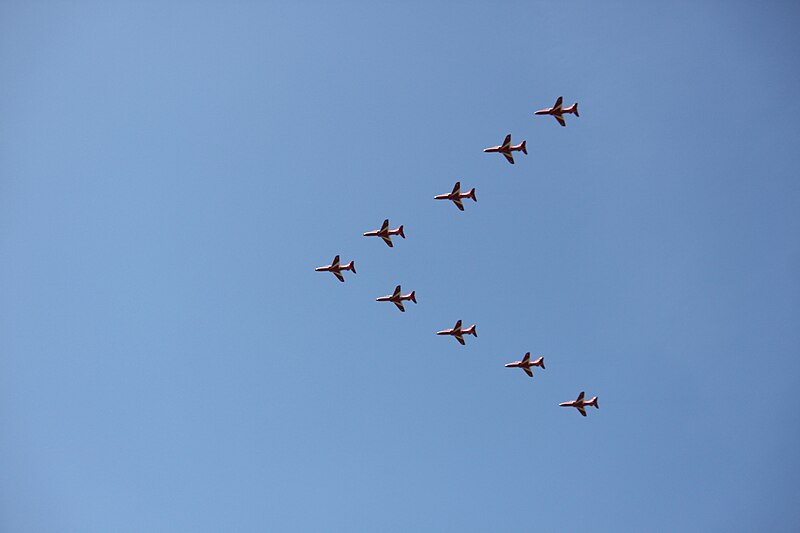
<point x="170" y="175"/>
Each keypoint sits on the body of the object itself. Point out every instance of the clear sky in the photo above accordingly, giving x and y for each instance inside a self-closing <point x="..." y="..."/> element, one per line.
<point x="172" y="172"/>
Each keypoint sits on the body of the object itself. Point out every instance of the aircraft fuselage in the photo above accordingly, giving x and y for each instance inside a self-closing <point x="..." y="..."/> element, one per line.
<point x="451" y="196"/>
<point x="379" y="233"/>
<point x="557" y="111"/>
<point x="504" y="149"/>
<point x="401" y="298"/>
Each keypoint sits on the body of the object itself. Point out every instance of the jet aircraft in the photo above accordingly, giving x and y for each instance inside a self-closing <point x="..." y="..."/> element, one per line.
<point x="558" y="112"/>
<point x="456" y="196"/>
<point x="385" y="233"/>
<point x="336" y="269"/>
<point x="526" y="364"/>
<point x="580" y="403"/>
<point x="506" y="149"/>
<point x="397" y="299"/>
<point x="459" y="333"/>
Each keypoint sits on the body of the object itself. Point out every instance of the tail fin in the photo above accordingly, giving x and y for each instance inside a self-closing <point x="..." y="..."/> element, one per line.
<point x="575" y="107"/>
<point x="472" y="194"/>
<point x="540" y="362"/>
<point x="351" y="266"/>
<point x="524" y="149"/>
<point x="593" y="401"/>
<point x="403" y="235"/>
<point x="474" y="331"/>
<point x="414" y="296"/>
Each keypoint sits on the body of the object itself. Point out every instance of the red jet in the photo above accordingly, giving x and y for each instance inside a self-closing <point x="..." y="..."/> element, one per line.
<point x="459" y="333"/>
<point x="506" y="149"/>
<point x="456" y="196"/>
<point x="580" y="403"/>
<point x="526" y="364"/>
<point x="558" y="112"/>
<point x="385" y="233"/>
<point x="397" y="299"/>
<point x="336" y="269"/>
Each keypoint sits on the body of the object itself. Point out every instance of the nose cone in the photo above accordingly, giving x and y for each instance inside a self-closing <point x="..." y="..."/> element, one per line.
<point x="443" y="332"/>
<point x="319" y="269"/>
<point x="542" y="112"/>
<point x="565" y="404"/>
<point x="510" y="365"/>
<point x="486" y="149"/>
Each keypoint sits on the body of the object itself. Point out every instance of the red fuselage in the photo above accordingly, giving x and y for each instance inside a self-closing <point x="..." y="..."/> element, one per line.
<point x="558" y="111"/>
<point x="458" y="331"/>
<point x="392" y="298"/>
<point x="335" y="268"/>
<point x="505" y="149"/>
<point x="453" y="196"/>
<point x="382" y="233"/>
<point x="580" y="403"/>
<point x="525" y="364"/>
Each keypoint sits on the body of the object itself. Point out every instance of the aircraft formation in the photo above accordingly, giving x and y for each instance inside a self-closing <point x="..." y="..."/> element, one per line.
<point x="456" y="196"/>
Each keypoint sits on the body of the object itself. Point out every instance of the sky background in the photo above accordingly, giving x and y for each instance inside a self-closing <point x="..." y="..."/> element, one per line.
<point x="171" y="174"/>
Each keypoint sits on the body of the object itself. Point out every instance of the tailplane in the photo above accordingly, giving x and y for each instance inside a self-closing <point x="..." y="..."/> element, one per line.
<point x="472" y="330"/>
<point x="351" y="266"/>
<point x="413" y="296"/>
<point x="524" y="149"/>
<point x="472" y="194"/>
<point x="403" y="235"/>
<point x="593" y="402"/>
<point x="575" y="109"/>
<point x="539" y="362"/>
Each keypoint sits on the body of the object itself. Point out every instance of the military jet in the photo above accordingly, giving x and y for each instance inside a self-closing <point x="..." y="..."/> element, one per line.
<point x="459" y="333"/>
<point x="397" y="299"/>
<point x="336" y="269"/>
<point x="580" y="403"/>
<point x="506" y="149"/>
<point x="385" y="233"/>
<point x="526" y="364"/>
<point x="456" y="196"/>
<point x="558" y="112"/>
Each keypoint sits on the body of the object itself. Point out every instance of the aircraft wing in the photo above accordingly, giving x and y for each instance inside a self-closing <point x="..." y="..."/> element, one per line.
<point x="338" y="275"/>
<point x="457" y="188"/>
<point x="388" y="241"/>
<point x="458" y="325"/>
<point x="560" y="120"/>
<point x="385" y="225"/>
<point x="527" y="357"/>
<point x="580" y="397"/>
<point x="509" y="157"/>
<point x="400" y="306"/>
<point x="507" y="141"/>
<point x="528" y="371"/>
<point x="335" y="262"/>
<point x="581" y="409"/>
<point x="558" y="103"/>
<point x="460" y="339"/>
<point x="458" y="203"/>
